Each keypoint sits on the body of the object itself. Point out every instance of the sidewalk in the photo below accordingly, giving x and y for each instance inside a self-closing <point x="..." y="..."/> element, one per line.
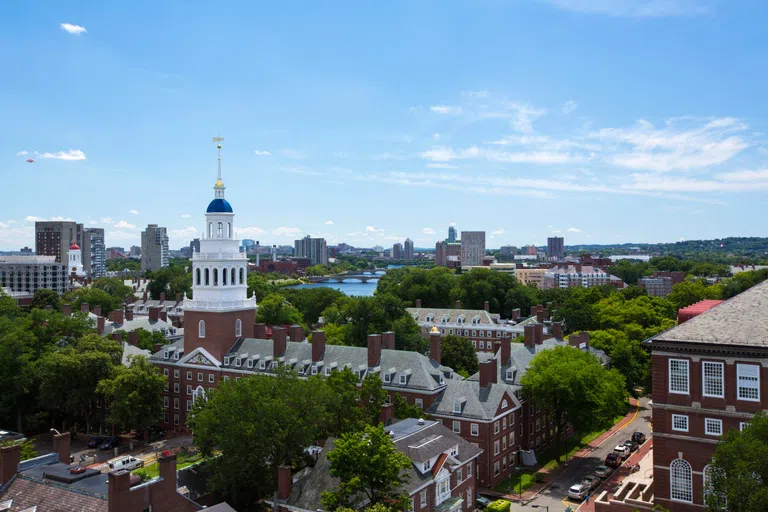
<point x="550" y="475"/>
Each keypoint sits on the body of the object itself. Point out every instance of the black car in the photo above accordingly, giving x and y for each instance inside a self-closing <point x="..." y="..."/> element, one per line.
<point x="638" y="437"/>
<point x="95" y="442"/>
<point x="111" y="442"/>
<point x="631" y="444"/>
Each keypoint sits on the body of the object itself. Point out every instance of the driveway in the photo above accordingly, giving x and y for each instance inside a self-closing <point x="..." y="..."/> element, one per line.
<point x="554" y="498"/>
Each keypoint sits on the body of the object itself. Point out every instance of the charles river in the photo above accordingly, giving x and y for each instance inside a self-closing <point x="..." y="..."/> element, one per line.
<point x="349" y="286"/>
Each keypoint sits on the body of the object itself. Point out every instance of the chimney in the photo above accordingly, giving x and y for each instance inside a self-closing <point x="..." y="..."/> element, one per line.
<point x="575" y="340"/>
<point x="296" y="333"/>
<point x="374" y="350"/>
<point x="458" y="304"/>
<point x="163" y="315"/>
<point x="283" y="482"/>
<point x="85" y="308"/>
<point x="434" y="346"/>
<point x="318" y="345"/>
<point x="118" y="486"/>
<point x="154" y="313"/>
<point x="539" y="329"/>
<point x="162" y="296"/>
<point x="100" y="325"/>
<point x="515" y="313"/>
<point x="133" y="338"/>
<point x="260" y="331"/>
<point x="487" y="306"/>
<point x="529" y="334"/>
<point x="546" y="313"/>
<point x="129" y="313"/>
<point x="178" y="297"/>
<point x="385" y="414"/>
<point x="540" y="313"/>
<point x="418" y="303"/>
<point x="278" y="342"/>
<point x="585" y="338"/>
<point x="61" y="445"/>
<point x="117" y="337"/>
<point x="158" y="347"/>
<point x="533" y="311"/>
<point x="388" y="340"/>
<point x="488" y="373"/>
<point x="97" y="310"/>
<point x="506" y="352"/>
<point x="9" y="462"/>
<point x="496" y="347"/>
<point x="145" y="296"/>
<point x="168" y="470"/>
<point x="557" y="330"/>
<point x="116" y="316"/>
<point x="66" y="309"/>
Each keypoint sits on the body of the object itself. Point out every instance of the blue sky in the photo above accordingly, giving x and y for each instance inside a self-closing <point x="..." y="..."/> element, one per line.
<point x="602" y="120"/>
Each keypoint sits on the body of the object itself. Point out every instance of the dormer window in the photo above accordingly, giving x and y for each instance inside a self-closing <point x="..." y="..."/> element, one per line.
<point x="387" y="378"/>
<point x="238" y="362"/>
<point x="250" y="363"/>
<point x="510" y="374"/>
<point x="457" y="407"/>
<point x="476" y="320"/>
<point x="403" y="379"/>
<point x="461" y="319"/>
<point x="262" y="365"/>
<point x="327" y="371"/>
<point x="427" y="465"/>
<point x="165" y="354"/>
<point x="176" y="356"/>
<point x="429" y="318"/>
<point x="445" y="319"/>
<point x="455" y="451"/>
<point x="442" y="379"/>
<point x="314" y="370"/>
<point x="226" y="361"/>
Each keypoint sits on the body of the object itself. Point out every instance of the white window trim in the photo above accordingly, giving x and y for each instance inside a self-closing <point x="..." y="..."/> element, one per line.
<point x="704" y="379"/>
<point x="716" y="422"/>
<point x="689" y="483"/>
<point x="475" y="429"/>
<point x="688" y="374"/>
<point x="739" y="386"/>
<point x="456" y="427"/>
<point x="686" y="423"/>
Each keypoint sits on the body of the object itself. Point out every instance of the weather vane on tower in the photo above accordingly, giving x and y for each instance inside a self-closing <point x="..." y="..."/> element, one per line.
<point x="219" y="183"/>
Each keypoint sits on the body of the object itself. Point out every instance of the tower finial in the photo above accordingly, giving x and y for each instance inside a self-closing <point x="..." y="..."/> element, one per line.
<point x="218" y="140"/>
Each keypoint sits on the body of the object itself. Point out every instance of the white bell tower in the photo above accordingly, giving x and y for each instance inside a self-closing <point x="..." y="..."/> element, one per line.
<point x="75" y="261"/>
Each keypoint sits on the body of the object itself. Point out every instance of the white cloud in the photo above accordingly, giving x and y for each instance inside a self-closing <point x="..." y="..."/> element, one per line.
<point x="545" y="143"/>
<point x="107" y="220"/>
<point x="447" y="154"/>
<point x="371" y="229"/>
<point x="23" y="152"/>
<point x="388" y="156"/>
<point x="72" y="29"/>
<point x="134" y="212"/>
<point x="125" y="225"/>
<point x="573" y="230"/>
<point x="284" y="231"/>
<point x="249" y="231"/>
<point x="261" y="153"/>
<point x="524" y="116"/>
<point x="729" y="182"/>
<point x="441" y="166"/>
<point x="92" y="222"/>
<point x="187" y="232"/>
<point x="185" y="216"/>
<point x="3" y="225"/>
<point x="428" y="231"/>
<point x="302" y="171"/>
<point x="435" y="136"/>
<point x="498" y="232"/>
<point x="569" y="106"/>
<point x="62" y="219"/>
<point x="636" y="8"/>
<point x="328" y="222"/>
<point x="760" y="175"/>
<point x="32" y="218"/>
<point x="69" y="155"/>
<point x="446" y="109"/>
<point x="293" y="153"/>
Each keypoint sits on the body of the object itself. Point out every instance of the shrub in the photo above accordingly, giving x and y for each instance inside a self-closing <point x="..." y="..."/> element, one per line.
<point x="499" y="506"/>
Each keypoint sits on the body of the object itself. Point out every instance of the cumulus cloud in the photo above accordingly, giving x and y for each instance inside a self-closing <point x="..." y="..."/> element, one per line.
<point x="285" y="231"/>
<point x="107" y="220"/>
<point x="125" y="225"/>
<point x="23" y="152"/>
<point x="134" y="212"/>
<point x="328" y="222"/>
<point x="371" y="229"/>
<point x="261" y="153"/>
<point x="569" y="106"/>
<point x="32" y="218"/>
<point x="428" y="231"/>
<point x="249" y="231"/>
<point x="72" y="29"/>
<point x="499" y="232"/>
<point x="573" y="230"/>
<point x="446" y="109"/>
<point x="69" y="155"/>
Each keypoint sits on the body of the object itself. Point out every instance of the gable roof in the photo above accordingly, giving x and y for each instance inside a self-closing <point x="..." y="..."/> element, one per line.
<point x="477" y="403"/>
<point x="420" y="315"/>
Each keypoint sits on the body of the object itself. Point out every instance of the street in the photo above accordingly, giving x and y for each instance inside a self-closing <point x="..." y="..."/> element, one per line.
<point x="555" y="497"/>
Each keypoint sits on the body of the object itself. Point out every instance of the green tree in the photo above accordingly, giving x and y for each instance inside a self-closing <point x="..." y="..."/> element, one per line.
<point x="258" y="286"/>
<point x="402" y="409"/>
<point x="170" y="280"/>
<point x="575" y="387"/>
<point x="739" y="470"/>
<point x="114" y="286"/>
<point x="312" y="301"/>
<point x="147" y="339"/>
<point x="458" y="353"/>
<point x="627" y="357"/>
<point x="275" y="310"/>
<point x="28" y="450"/>
<point x="372" y="397"/>
<point x="133" y="394"/>
<point x="341" y="403"/>
<point x="93" y="297"/>
<point x="368" y="465"/>
<point x="689" y="292"/>
<point x="45" y="297"/>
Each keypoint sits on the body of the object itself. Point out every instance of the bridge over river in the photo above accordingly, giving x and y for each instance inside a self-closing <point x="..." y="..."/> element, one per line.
<point x="363" y="277"/>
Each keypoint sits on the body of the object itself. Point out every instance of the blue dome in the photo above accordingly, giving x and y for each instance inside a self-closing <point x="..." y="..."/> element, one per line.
<point x="219" y="206"/>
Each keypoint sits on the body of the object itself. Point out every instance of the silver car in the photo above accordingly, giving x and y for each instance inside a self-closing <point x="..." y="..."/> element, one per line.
<point x="578" y="491"/>
<point x="603" y="471"/>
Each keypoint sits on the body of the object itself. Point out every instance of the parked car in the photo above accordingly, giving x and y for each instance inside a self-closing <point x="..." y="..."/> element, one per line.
<point x="638" y="437"/>
<point x="127" y="462"/>
<point x="612" y="460"/>
<point x="95" y="442"/>
<point x="156" y="432"/>
<point x="622" y="451"/>
<point x="603" y="471"/>
<point x="482" y="501"/>
<point x="591" y="481"/>
<point x="111" y="442"/>
<point x="578" y="491"/>
<point x="631" y="444"/>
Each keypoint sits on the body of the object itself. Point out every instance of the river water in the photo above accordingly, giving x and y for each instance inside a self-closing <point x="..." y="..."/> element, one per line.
<point x="348" y="286"/>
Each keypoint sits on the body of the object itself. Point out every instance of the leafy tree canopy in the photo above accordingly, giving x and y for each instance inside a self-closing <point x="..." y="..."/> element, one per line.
<point x="458" y="353"/>
<point x="133" y="394"/>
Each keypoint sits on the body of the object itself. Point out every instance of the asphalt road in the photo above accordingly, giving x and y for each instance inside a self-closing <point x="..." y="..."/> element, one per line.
<point x="555" y="497"/>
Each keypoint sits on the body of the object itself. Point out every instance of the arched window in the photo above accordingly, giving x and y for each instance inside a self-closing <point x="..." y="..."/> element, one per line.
<point x="476" y="320"/>
<point x="199" y="392"/>
<point x="445" y="319"/>
<point x="223" y="277"/>
<point x="461" y="319"/>
<point x="238" y="328"/>
<point x="198" y="276"/>
<point x="207" y="277"/>
<point x="201" y="329"/>
<point x="210" y="230"/>
<point x="242" y="274"/>
<point x="233" y="279"/>
<point x="215" y="277"/>
<point x="221" y="230"/>
<point x="680" y="481"/>
<point x="229" y="230"/>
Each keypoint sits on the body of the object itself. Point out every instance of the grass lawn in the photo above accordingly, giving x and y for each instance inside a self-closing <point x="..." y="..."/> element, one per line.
<point x="183" y="460"/>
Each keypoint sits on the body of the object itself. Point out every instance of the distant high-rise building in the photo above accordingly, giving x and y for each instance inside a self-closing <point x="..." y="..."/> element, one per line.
<point x="247" y="244"/>
<point x="154" y="248"/>
<point x="24" y="275"/>
<point x="447" y="254"/>
<point x="397" y="251"/>
<point x="408" y="248"/>
<point x="555" y="247"/>
<point x="472" y="248"/>
<point x="194" y="246"/>
<point x="530" y="250"/>
<point x="134" y="252"/>
<point x="314" y="249"/>
<point x="94" y="253"/>
<point x="53" y="238"/>
<point x="451" y="235"/>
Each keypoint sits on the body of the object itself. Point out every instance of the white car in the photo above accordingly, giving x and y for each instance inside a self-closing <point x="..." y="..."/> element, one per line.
<point x="578" y="491"/>
<point x="622" y="451"/>
<point x="127" y="462"/>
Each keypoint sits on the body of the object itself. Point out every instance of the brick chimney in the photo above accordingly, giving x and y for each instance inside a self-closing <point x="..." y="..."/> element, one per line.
<point x="506" y="351"/>
<point x="9" y="462"/>
<point x="557" y="330"/>
<point x="85" y="307"/>
<point x="162" y="297"/>
<point x="487" y="306"/>
<point x="116" y="316"/>
<point x="488" y="373"/>
<point x="529" y="336"/>
<point x="278" y="342"/>
<point x="496" y="347"/>
<point x="163" y="315"/>
<point x="66" y="309"/>
<point x="178" y="297"/>
<point x="318" y="345"/>
<point x="546" y="313"/>
<point x="145" y="296"/>
<point x="117" y="337"/>
<point x="283" y="482"/>
<point x="154" y="313"/>
<point x="385" y="414"/>
<point x="374" y="350"/>
<point x="539" y="328"/>
<point x="515" y="313"/>
<point x="97" y="310"/>
<point x="133" y="338"/>
<point x="260" y="331"/>
<point x="129" y="313"/>
<point x="100" y="321"/>
<point x="388" y="340"/>
<point x="296" y="333"/>
<point x="61" y="445"/>
<point x="418" y="303"/>
<point x="434" y="346"/>
<point x="539" y="313"/>
<point x="533" y="311"/>
<point x="575" y="340"/>
<point x="458" y="304"/>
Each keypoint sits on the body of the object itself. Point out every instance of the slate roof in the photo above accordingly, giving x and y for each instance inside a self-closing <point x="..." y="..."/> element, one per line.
<point x="132" y="351"/>
<point x="741" y="320"/>
<point x="306" y="493"/>
<point x="421" y="314"/>
<point x="477" y="403"/>
<point x="141" y="307"/>
<point x="141" y="322"/>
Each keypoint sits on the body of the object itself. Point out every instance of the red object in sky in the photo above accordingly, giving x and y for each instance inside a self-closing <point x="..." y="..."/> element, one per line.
<point x="30" y="161"/>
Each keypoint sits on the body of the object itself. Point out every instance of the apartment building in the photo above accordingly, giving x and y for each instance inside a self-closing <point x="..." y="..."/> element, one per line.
<point x="472" y="248"/>
<point x="397" y="251"/>
<point x="528" y="276"/>
<point x="447" y="254"/>
<point x="94" y="253"/>
<point x="556" y="247"/>
<point x="24" y="275"/>
<point x="656" y="286"/>
<point x="408" y="249"/>
<point x="53" y="238"/>
<point x="154" y="248"/>
<point x="575" y="276"/>
<point x="315" y="249"/>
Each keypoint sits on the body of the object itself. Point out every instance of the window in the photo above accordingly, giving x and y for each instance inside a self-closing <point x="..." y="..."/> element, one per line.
<point x="175" y="374"/>
<point x="199" y="377"/>
<point x="249" y="363"/>
<point x="189" y="405"/>
<point x="457" y="407"/>
<point x="207" y="277"/>
<point x="457" y="427"/>
<point x="496" y="427"/>
<point x="474" y="344"/>
<point x="680" y="422"/>
<point x="197" y="274"/>
<point x="713" y="427"/>
<point x="511" y="439"/>
<point x="262" y="365"/>
<point x="474" y="429"/>
<point x="680" y="481"/>
<point x="678" y="376"/>
<point x="165" y="402"/>
<point x="387" y="377"/>
<point x="504" y="443"/>
<point x="469" y="469"/>
<point x="189" y="389"/>
<point x="427" y="465"/>
<point x="189" y="375"/>
<point x="210" y="378"/>
<point x="175" y="419"/>
<point x="474" y="333"/>
<point x="403" y="379"/>
<point x="423" y="498"/>
<point x="175" y="403"/>
<point x="238" y="328"/>
<point x="226" y="378"/>
<point x="201" y="329"/>
<point x="496" y="468"/>
<point x="442" y="491"/>
<point x="175" y="387"/>
<point x="712" y="376"/>
<point x="470" y="503"/>
<point x="460" y="474"/>
<point x="748" y="382"/>
<point x="314" y="370"/>
<point x="496" y="448"/>
<point x="419" y="403"/>
<point x="504" y="406"/>
<point x="165" y="371"/>
<point x="482" y="345"/>
<point x="743" y="425"/>
<point x="504" y="423"/>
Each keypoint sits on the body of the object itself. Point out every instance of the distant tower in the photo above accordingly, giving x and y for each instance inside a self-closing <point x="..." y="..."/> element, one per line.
<point x="220" y="310"/>
<point x="75" y="261"/>
<point x="451" y="235"/>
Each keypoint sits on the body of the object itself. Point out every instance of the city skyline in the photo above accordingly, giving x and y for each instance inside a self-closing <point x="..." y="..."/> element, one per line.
<point x="646" y="114"/>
